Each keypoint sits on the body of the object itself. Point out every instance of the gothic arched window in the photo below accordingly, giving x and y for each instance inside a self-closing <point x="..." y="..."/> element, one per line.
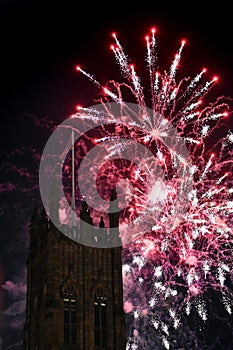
<point x="100" y="318"/>
<point x="70" y="295"/>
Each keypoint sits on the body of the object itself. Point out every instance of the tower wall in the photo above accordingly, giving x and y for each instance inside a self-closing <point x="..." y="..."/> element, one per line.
<point x="57" y="263"/>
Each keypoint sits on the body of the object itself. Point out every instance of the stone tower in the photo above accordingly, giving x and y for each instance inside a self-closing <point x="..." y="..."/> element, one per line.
<point x="74" y="291"/>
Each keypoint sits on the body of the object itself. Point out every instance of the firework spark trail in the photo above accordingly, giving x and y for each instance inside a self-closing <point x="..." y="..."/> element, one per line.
<point x="174" y="269"/>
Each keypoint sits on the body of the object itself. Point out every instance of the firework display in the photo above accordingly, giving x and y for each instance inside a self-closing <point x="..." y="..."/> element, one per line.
<point x="175" y="193"/>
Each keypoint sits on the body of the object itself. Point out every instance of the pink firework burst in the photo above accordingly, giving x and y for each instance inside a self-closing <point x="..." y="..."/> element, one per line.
<point x="178" y="258"/>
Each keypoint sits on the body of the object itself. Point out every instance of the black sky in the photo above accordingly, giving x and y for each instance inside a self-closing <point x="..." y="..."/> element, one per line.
<point x="41" y="42"/>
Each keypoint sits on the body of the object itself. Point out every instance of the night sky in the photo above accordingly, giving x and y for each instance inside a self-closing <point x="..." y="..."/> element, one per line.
<point x="41" y="42"/>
